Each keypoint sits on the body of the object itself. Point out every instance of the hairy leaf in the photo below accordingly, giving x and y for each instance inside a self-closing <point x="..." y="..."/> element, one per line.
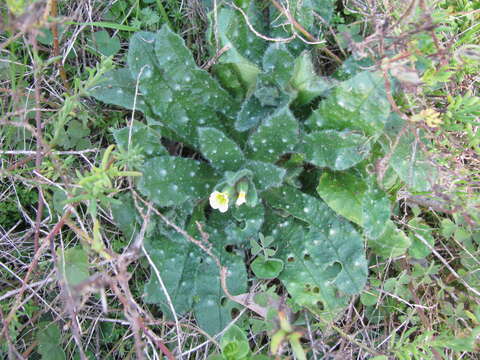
<point x="276" y="135"/>
<point x="327" y="258"/>
<point x="140" y="135"/>
<point x="408" y="158"/>
<point x="335" y="150"/>
<point x="349" y="194"/>
<point x="223" y="152"/>
<point x="359" y="103"/>
<point x="117" y="87"/>
<point x="178" y="92"/>
<point x="192" y="279"/>
<point x="169" y="180"/>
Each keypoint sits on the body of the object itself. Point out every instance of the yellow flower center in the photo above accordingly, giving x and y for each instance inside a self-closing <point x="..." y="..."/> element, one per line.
<point x="219" y="200"/>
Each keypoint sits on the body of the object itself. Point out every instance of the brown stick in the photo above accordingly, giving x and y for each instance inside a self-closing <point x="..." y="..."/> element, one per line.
<point x="38" y="135"/>
<point x="56" y="45"/>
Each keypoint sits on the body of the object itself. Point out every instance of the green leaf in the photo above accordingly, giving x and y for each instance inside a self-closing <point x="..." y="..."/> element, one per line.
<point x="375" y="211"/>
<point x="265" y="175"/>
<point x="104" y="44"/>
<point x="276" y="135"/>
<point x="192" y="279"/>
<point x="245" y="48"/>
<point x="279" y="62"/>
<point x="335" y="150"/>
<point x="327" y="258"/>
<point x="234" y="344"/>
<point x="419" y="250"/>
<point x="248" y="222"/>
<point x="181" y="95"/>
<point x="170" y="181"/>
<point x="342" y="192"/>
<point x="252" y="113"/>
<point x="359" y="103"/>
<point x="266" y="268"/>
<point x="349" y="195"/>
<point x="305" y="80"/>
<point x="49" y="343"/>
<point x="408" y="158"/>
<point x="392" y="243"/>
<point x="369" y="298"/>
<point x="126" y="216"/>
<point x="224" y="153"/>
<point x="73" y="264"/>
<point x="323" y="267"/>
<point x="117" y="87"/>
<point x="148" y="138"/>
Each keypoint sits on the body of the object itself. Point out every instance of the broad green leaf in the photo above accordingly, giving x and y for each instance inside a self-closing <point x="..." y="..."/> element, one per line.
<point x="369" y="297"/>
<point x="269" y="92"/>
<point x="359" y="103"/>
<point x="276" y="135"/>
<point x="265" y="175"/>
<point x="73" y="264"/>
<point x="224" y="153"/>
<point x="126" y="217"/>
<point x="322" y="267"/>
<point x="170" y="180"/>
<point x="418" y="249"/>
<point x="266" y="268"/>
<point x="300" y="205"/>
<point x="271" y="89"/>
<point x="181" y="95"/>
<point x="49" y="343"/>
<point x="192" y="279"/>
<point x="234" y="344"/>
<point x="245" y="48"/>
<point x="327" y="258"/>
<point x="305" y="12"/>
<point x="278" y="61"/>
<point x="117" y="87"/>
<point x="393" y="242"/>
<point x="246" y="225"/>
<point x="305" y="80"/>
<point x="375" y="212"/>
<point x="104" y="44"/>
<point x="146" y="137"/>
<point x="335" y="150"/>
<point x="251" y="114"/>
<point x="350" y="195"/>
<point x="342" y="192"/>
<point x="408" y="158"/>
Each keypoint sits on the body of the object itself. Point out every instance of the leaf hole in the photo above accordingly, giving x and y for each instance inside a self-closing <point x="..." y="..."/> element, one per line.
<point x="229" y="248"/>
<point x="307" y="257"/>
<point x="223" y="301"/>
<point x="290" y="259"/>
<point x="319" y="305"/>
<point x="234" y="313"/>
<point x="316" y="290"/>
<point x="333" y="270"/>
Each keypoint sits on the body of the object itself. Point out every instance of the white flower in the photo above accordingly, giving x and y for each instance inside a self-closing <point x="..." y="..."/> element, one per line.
<point x="219" y="200"/>
<point x="241" y="198"/>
